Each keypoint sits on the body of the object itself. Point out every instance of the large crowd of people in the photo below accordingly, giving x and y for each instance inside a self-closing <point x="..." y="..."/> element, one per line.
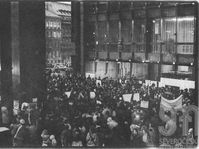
<point x="74" y="117"/>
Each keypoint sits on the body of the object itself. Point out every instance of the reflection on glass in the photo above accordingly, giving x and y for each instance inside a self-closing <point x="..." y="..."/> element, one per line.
<point x="102" y="6"/>
<point x="168" y="34"/>
<point x="155" y="36"/>
<point x="113" y="31"/>
<point x="125" y="69"/>
<point x="101" y="32"/>
<point x="139" y="35"/>
<point x="185" y="34"/>
<point x="185" y="29"/>
<point x="181" y="28"/>
<point x="126" y="29"/>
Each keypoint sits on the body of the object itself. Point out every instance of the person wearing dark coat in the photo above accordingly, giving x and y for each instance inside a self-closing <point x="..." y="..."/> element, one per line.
<point x="21" y="134"/>
<point x="66" y="136"/>
<point x="136" y="139"/>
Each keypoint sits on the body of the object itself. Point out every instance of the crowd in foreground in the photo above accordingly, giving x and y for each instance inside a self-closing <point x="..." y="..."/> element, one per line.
<point x="105" y="120"/>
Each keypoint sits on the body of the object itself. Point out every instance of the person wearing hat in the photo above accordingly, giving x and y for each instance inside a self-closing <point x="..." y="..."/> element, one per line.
<point x="20" y="136"/>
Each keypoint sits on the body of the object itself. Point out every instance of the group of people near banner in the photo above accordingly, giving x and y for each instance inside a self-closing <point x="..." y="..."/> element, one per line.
<point x="85" y="111"/>
<point x="93" y="112"/>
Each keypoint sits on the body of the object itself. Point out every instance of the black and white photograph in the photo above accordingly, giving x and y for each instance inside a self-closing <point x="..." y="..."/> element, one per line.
<point x="99" y="73"/>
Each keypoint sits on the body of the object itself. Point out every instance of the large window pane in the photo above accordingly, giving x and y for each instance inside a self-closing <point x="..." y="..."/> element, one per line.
<point x="155" y="36"/>
<point x="140" y="70"/>
<point x="185" y="35"/>
<point x="126" y="30"/>
<point x="168" y="35"/>
<point x="91" y="7"/>
<point x="113" y="6"/>
<point x="90" y="36"/>
<point x="102" y="6"/>
<point x="125" y="69"/>
<point x="113" y="31"/>
<point x="167" y="71"/>
<point x="185" y="29"/>
<point x="139" y="35"/>
<point x="102" y="32"/>
<point x="185" y="49"/>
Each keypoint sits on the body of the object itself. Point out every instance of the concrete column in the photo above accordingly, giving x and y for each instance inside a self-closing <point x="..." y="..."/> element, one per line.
<point x="32" y="49"/>
<point x="82" y="64"/>
<point x="6" y="58"/>
<point x="15" y="49"/>
<point x="196" y="70"/>
<point x="75" y="8"/>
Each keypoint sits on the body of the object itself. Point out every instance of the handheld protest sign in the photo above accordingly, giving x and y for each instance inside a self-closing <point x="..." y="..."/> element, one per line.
<point x="92" y="95"/>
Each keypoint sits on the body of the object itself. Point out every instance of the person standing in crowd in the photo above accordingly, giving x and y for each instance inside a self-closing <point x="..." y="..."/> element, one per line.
<point x="66" y="136"/>
<point x="45" y="138"/>
<point x="190" y="141"/>
<point x="92" y="138"/>
<point x="4" y="116"/>
<point x="33" y="137"/>
<point x="53" y="141"/>
<point x="136" y="139"/>
<point x="76" y="142"/>
<point x="21" y="135"/>
<point x="107" y="111"/>
<point x="145" y="136"/>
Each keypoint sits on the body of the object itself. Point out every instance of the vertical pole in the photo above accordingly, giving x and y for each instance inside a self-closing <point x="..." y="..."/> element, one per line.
<point x="82" y="36"/>
<point x="15" y="49"/>
<point x="196" y="53"/>
<point x="6" y="56"/>
<point x="32" y="49"/>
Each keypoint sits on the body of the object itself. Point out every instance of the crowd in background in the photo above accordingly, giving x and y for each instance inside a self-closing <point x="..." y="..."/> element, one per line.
<point x="105" y="120"/>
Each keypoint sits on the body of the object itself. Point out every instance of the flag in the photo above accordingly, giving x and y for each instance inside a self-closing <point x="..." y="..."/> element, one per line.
<point x="168" y="104"/>
<point x="127" y="97"/>
<point x="144" y="104"/>
<point x="92" y="95"/>
<point x="68" y="94"/>
<point x="136" y="97"/>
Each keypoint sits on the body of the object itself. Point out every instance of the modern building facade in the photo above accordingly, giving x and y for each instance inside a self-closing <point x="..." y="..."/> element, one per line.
<point x="149" y="40"/>
<point x="53" y="37"/>
<point x="23" y="47"/>
<point x="59" y="41"/>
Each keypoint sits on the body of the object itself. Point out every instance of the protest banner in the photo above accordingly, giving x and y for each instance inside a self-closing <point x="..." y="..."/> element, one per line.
<point x="68" y="94"/>
<point x="136" y="97"/>
<point x="92" y="95"/>
<point x="168" y="104"/>
<point x="98" y="82"/>
<point x="144" y="104"/>
<point x="127" y="97"/>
